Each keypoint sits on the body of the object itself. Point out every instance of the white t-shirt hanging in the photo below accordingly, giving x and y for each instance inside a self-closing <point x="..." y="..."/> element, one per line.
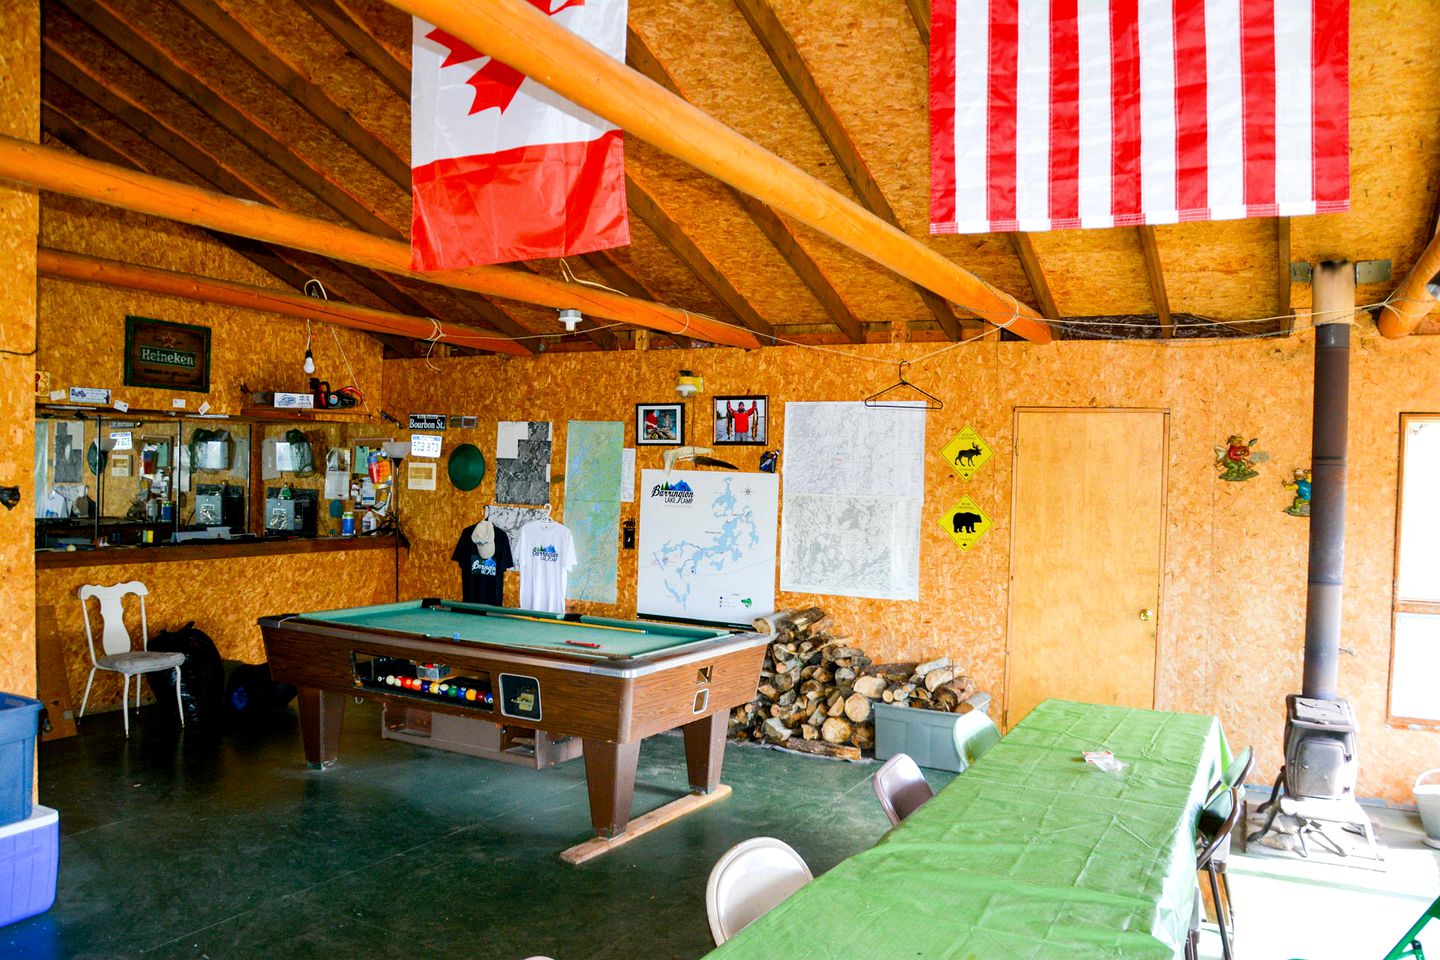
<point x="545" y="557"/>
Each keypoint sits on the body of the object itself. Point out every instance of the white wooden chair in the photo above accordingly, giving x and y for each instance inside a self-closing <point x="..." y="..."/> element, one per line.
<point x="115" y="641"/>
<point x="748" y="880"/>
<point x="975" y="733"/>
<point x="901" y="787"/>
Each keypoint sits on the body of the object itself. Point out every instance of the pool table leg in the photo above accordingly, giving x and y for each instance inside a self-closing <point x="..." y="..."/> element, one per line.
<point x="321" y="713"/>
<point x="610" y="780"/>
<point x="705" y="750"/>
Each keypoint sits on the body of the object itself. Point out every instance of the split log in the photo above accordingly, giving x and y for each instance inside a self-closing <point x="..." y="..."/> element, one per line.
<point x="929" y="665"/>
<point x="809" y="732"/>
<point x="777" y="732"/>
<point x="857" y="707"/>
<point x="936" y="677"/>
<point x="863" y="736"/>
<point x="871" y="687"/>
<point x="835" y="730"/>
<point x="824" y="749"/>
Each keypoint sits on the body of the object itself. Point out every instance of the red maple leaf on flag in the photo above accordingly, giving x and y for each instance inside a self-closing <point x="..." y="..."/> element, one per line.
<point x="495" y="83"/>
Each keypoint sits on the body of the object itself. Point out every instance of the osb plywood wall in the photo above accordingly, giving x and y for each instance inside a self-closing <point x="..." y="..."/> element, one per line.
<point x="224" y="597"/>
<point x="1232" y="617"/>
<point x="19" y="219"/>
<point x="82" y="327"/>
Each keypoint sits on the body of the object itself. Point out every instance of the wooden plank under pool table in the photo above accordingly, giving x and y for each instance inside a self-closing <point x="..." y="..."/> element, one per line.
<point x="609" y="682"/>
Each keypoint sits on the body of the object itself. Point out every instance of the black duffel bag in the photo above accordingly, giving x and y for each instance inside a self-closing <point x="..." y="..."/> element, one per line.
<point x="202" y="677"/>
<point x="250" y="694"/>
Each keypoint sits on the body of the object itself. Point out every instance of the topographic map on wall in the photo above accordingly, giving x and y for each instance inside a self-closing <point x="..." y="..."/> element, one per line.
<point x="592" y="506"/>
<point x="522" y="462"/>
<point x="854" y="489"/>
<point x="707" y="545"/>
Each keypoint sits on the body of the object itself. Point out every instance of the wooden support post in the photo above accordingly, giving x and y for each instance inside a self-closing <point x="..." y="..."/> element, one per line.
<point x="610" y="781"/>
<point x="1413" y="299"/>
<point x="521" y="36"/>
<point x="705" y="750"/>
<point x="1155" y="273"/>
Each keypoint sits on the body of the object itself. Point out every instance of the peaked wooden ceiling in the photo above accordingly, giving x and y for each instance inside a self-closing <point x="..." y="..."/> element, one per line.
<point x="304" y="105"/>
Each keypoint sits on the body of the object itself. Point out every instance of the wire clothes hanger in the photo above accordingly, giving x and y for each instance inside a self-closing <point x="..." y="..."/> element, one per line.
<point x="932" y="402"/>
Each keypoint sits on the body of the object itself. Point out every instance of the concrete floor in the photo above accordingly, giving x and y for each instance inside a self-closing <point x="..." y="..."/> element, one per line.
<point x="225" y="847"/>
<point x="211" y="846"/>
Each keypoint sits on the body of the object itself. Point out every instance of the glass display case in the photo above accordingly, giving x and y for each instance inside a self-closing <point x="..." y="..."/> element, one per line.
<point x="103" y="481"/>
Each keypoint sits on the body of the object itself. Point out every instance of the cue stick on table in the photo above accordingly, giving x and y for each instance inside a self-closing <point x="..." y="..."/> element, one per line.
<point x="573" y="623"/>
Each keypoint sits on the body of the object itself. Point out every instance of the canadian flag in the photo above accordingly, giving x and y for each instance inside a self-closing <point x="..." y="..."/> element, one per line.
<point x="503" y="168"/>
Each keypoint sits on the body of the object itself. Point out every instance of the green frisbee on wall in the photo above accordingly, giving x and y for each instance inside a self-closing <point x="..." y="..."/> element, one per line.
<point x="466" y="466"/>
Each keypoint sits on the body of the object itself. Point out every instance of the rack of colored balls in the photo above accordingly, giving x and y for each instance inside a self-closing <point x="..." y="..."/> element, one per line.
<point x="441" y="688"/>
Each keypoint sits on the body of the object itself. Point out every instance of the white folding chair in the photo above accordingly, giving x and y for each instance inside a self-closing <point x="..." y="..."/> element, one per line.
<point x="901" y="787"/>
<point x="975" y="733"/>
<point x="748" y="880"/>
<point x="115" y="641"/>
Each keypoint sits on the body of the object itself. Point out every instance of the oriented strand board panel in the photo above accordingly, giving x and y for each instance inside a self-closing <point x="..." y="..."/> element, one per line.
<point x="225" y="598"/>
<point x="19" y="224"/>
<point x="1233" y="599"/>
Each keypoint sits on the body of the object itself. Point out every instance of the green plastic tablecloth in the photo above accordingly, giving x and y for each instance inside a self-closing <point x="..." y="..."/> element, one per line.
<point x="1031" y="853"/>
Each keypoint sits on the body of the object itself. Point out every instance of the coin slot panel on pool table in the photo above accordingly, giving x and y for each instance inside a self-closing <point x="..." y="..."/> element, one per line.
<point x="371" y="672"/>
<point x="704" y="674"/>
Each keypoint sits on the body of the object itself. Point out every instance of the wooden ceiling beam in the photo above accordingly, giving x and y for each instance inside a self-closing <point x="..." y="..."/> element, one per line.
<point x="105" y="20"/>
<point x="639" y="55"/>
<point x="45" y="168"/>
<point x="113" y="273"/>
<point x="255" y="51"/>
<point x="648" y="209"/>
<point x="521" y="36"/>
<point x="1282" y="275"/>
<point x="1035" y="275"/>
<point x="361" y="45"/>
<point x="920" y="13"/>
<point x="1155" y="273"/>
<point x="786" y="56"/>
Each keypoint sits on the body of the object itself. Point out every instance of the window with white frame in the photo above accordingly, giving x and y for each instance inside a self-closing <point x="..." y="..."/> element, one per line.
<point x="1415" y="651"/>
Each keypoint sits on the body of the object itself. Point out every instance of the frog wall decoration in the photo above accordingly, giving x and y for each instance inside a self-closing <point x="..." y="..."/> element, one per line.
<point x="1300" y="487"/>
<point x="1237" y="459"/>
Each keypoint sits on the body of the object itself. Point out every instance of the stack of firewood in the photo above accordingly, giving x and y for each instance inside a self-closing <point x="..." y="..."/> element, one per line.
<point x="817" y="692"/>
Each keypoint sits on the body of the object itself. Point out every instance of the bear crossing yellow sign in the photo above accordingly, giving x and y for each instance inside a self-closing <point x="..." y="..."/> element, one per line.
<point x="965" y="523"/>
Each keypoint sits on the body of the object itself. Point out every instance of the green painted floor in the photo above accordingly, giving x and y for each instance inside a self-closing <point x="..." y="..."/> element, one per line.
<point x="224" y="846"/>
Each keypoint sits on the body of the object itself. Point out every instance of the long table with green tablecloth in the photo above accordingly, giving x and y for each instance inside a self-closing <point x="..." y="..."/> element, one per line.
<point x="1030" y="854"/>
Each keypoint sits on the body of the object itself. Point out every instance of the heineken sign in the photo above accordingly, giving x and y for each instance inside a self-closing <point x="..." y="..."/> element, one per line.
<point x="166" y="356"/>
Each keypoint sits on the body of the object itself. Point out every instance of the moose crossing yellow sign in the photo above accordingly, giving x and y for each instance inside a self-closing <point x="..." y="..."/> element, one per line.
<point x="967" y="453"/>
<point x="965" y="523"/>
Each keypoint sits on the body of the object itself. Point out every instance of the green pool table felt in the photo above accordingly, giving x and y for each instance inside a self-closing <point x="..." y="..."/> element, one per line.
<point x="522" y="629"/>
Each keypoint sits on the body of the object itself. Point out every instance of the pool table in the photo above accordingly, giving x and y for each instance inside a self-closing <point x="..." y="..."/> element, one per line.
<point x="610" y="683"/>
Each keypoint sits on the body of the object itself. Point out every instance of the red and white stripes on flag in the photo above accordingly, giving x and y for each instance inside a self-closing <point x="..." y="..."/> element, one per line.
<point x="1055" y="114"/>
<point x="503" y="168"/>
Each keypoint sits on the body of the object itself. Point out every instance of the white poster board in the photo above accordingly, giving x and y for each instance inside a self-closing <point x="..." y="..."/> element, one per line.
<point x="707" y="545"/>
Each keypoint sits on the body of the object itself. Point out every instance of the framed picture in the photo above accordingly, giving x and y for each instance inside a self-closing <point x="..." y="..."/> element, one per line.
<point x="659" y="424"/>
<point x="421" y="476"/>
<point x="169" y="356"/>
<point x="742" y="420"/>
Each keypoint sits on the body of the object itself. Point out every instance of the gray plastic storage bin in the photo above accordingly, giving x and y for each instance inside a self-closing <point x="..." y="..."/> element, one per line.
<point x="928" y="736"/>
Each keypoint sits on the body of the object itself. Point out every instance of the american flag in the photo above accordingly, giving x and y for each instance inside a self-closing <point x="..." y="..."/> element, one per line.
<point x="1055" y="114"/>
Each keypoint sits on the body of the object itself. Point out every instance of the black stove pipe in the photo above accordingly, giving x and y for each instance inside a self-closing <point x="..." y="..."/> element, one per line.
<point x="1334" y="288"/>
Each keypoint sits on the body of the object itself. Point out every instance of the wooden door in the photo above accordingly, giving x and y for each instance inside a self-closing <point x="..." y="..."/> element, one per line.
<point x="1086" y="557"/>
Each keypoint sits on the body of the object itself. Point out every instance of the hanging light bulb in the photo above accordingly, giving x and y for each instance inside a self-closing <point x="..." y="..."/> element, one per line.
<point x="309" y="364"/>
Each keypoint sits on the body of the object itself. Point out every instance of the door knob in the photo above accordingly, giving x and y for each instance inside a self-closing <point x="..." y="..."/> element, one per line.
<point x="1146" y="614"/>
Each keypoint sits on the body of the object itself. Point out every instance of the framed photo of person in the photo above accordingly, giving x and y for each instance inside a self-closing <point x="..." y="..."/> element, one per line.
<point x="742" y="420"/>
<point x="659" y="424"/>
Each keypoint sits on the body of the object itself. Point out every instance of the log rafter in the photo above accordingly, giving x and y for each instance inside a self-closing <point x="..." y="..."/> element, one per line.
<point x="53" y="170"/>
<point x="780" y="47"/>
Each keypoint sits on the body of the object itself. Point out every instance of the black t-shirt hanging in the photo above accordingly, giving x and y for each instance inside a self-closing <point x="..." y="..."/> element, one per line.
<point x="483" y="581"/>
